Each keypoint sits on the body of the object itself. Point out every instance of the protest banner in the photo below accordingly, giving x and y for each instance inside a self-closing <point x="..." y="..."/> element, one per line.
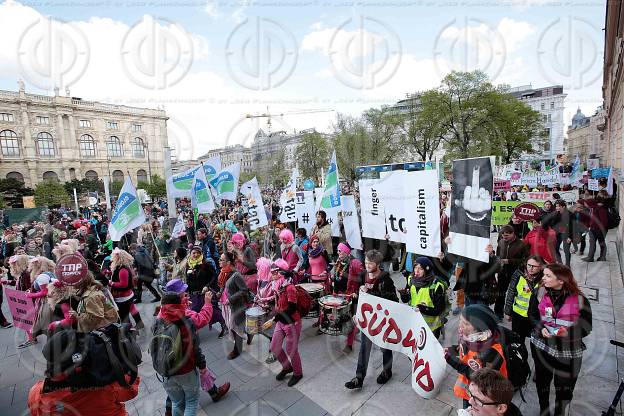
<point x="569" y="196"/>
<point x="372" y="209"/>
<point x="502" y="185"/>
<point x="471" y="208"/>
<point x="529" y="178"/>
<point x="593" y="164"/>
<point x="128" y="213"/>
<point x="549" y="178"/>
<point x="502" y="211"/>
<point x="287" y="199"/>
<point x="304" y="209"/>
<point x="255" y="207"/>
<point x="22" y="309"/>
<point x="225" y="183"/>
<point x="592" y="184"/>
<point x="400" y="328"/>
<point x="351" y="222"/>
<point x="180" y="185"/>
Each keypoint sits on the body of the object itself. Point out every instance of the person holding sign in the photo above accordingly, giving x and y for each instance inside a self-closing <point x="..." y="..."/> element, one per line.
<point x="426" y="292"/>
<point x="479" y="347"/>
<point x="377" y="283"/>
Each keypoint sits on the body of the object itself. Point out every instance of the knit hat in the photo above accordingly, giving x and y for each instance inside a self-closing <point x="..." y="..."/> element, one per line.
<point x="481" y="318"/>
<point x="425" y="263"/>
<point x="344" y="248"/>
<point x="171" y="298"/>
<point x="176" y="285"/>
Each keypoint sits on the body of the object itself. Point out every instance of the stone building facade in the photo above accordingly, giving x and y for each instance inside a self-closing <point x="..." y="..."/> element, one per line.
<point x="232" y="154"/>
<point x="64" y="138"/>
<point x="585" y="139"/>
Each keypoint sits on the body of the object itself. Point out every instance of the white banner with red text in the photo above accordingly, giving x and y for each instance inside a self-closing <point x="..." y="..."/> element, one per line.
<point x="400" y="328"/>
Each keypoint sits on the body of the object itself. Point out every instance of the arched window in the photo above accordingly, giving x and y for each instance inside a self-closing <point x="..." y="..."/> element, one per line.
<point x="113" y="146"/>
<point x="9" y="143"/>
<point x="91" y="175"/>
<point x="50" y="176"/>
<point x="141" y="176"/>
<point x="118" y="176"/>
<point x="87" y="145"/>
<point x="138" y="147"/>
<point x="15" y="175"/>
<point x="45" y="144"/>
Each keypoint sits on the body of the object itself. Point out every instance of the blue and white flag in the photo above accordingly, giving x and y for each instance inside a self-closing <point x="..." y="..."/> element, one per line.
<point x="180" y="185"/>
<point x="201" y="198"/>
<point x="128" y="213"/>
<point x="331" y="193"/>
<point x="225" y="183"/>
<point x="212" y="166"/>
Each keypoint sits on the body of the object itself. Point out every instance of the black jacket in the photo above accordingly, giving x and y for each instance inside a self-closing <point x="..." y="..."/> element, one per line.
<point x="201" y="276"/>
<point x="384" y="287"/>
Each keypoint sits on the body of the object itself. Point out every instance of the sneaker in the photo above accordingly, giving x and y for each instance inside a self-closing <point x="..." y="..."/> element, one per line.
<point x="233" y="354"/>
<point x="384" y="377"/>
<point x="282" y="374"/>
<point x="26" y="344"/>
<point x="270" y="359"/>
<point x="221" y="391"/>
<point x="347" y="349"/>
<point x="355" y="383"/>
<point x="588" y="259"/>
<point x="294" y="380"/>
<point x="457" y="310"/>
<point x="7" y="325"/>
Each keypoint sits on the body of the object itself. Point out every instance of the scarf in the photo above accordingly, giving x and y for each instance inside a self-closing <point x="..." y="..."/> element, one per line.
<point x="315" y="252"/>
<point x="223" y="276"/>
<point x="342" y="266"/>
<point x="192" y="263"/>
<point x="479" y="341"/>
<point x="423" y="281"/>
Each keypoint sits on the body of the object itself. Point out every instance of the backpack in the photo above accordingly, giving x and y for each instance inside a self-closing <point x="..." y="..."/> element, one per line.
<point x="517" y="356"/>
<point x="166" y="347"/>
<point x="613" y="218"/>
<point x="105" y="355"/>
<point x="304" y="301"/>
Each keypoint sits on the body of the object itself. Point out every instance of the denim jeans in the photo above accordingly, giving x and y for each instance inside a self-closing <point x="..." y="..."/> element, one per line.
<point x="184" y="393"/>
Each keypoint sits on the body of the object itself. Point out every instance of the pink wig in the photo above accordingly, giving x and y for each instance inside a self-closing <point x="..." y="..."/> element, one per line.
<point x="264" y="269"/>
<point x="287" y="236"/>
<point x="238" y="240"/>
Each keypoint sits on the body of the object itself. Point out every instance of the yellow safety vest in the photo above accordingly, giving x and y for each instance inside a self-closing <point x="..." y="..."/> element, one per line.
<point x="423" y="296"/>
<point x="522" y="298"/>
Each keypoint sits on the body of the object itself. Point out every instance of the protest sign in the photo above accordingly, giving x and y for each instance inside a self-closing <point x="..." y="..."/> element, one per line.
<point x="71" y="269"/>
<point x="502" y="185"/>
<point x="287" y="199"/>
<point x="529" y="178"/>
<point x="502" y="211"/>
<point x="549" y="178"/>
<point x="569" y="196"/>
<point x="22" y="309"/>
<point x="351" y="222"/>
<point x="371" y="209"/>
<point x="527" y="211"/>
<point x="400" y="328"/>
<point x="304" y="209"/>
<point x="592" y="184"/>
<point x="255" y="206"/>
<point x="471" y="208"/>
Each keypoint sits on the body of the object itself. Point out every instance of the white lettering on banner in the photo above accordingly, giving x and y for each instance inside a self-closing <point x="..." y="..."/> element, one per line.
<point x="394" y="195"/>
<point x="371" y="209"/>
<point x="592" y="184"/>
<point x="423" y="225"/>
<point x="549" y="178"/>
<point x="257" y="216"/>
<point x="400" y="328"/>
<point x="351" y="222"/>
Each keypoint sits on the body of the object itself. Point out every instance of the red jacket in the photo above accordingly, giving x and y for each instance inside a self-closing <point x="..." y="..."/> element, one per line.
<point x="104" y="401"/>
<point x="598" y="216"/>
<point x="542" y="243"/>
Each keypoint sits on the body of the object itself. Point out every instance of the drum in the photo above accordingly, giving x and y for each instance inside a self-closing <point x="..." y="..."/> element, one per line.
<point x="255" y="318"/>
<point x="315" y="290"/>
<point x="336" y="316"/>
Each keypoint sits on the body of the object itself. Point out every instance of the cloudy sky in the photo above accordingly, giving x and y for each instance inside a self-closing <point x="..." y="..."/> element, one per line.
<point x="209" y="63"/>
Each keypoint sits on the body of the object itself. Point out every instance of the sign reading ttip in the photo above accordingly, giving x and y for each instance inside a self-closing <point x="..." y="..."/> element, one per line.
<point x="527" y="211"/>
<point x="400" y="328"/>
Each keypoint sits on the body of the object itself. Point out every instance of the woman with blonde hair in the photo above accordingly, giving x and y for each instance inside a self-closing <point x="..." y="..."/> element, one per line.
<point x="41" y="276"/>
<point x="18" y="266"/>
<point x="121" y="282"/>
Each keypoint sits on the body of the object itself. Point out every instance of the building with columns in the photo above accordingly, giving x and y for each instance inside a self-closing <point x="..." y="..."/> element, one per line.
<point x="64" y="138"/>
<point x="585" y="140"/>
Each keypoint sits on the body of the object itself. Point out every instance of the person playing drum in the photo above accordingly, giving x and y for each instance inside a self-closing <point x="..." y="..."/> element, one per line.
<point x="319" y="263"/>
<point x="347" y="277"/>
<point x="427" y="293"/>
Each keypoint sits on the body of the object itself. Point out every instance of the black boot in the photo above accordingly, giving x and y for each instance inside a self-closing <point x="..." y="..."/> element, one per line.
<point x="138" y="321"/>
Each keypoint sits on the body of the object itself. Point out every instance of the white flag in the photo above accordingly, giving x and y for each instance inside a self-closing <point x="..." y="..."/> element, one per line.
<point x="351" y="222"/>
<point x="256" y="215"/>
<point x="180" y="185"/>
<point x="128" y="213"/>
<point x="287" y="199"/>
<point x="225" y="182"/>
<point x="201" y="199"/>
<point x="179" y="229"/>
<point x="304" y="208"/>
<point x="212" y="166"/>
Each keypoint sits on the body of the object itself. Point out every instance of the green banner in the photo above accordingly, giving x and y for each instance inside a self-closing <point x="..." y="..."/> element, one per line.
<point x="503" y="210"/>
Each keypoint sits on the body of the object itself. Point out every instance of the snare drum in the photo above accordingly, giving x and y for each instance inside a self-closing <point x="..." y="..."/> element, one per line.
<point x="315" y="290"/>
<point x="255" y="318"/>
<point x="335" y="315"/>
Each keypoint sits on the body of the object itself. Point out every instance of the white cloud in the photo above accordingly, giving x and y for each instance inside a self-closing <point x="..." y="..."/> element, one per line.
<point x="212" y="9"/>
<point x="356" y="43"/>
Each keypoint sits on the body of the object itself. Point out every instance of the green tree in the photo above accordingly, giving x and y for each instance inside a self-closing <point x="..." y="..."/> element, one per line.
<point x="421" y="133"/>
<point x="157" y="189"/>
<point x="312" y="156"/>
<point x="114" y="188"/>
<point x="367" y="140"/>
<point x="276" y="173"/>
<point x="51" y="193"/>
<point x="244" y="176"/>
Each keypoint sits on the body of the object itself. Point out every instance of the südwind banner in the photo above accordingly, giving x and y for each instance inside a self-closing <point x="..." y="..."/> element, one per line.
<point x="471" y="208"/>
<point x="400" y="328"/>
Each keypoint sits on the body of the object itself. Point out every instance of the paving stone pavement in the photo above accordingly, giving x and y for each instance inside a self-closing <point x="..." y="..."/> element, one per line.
<point x="321" y="392"/>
